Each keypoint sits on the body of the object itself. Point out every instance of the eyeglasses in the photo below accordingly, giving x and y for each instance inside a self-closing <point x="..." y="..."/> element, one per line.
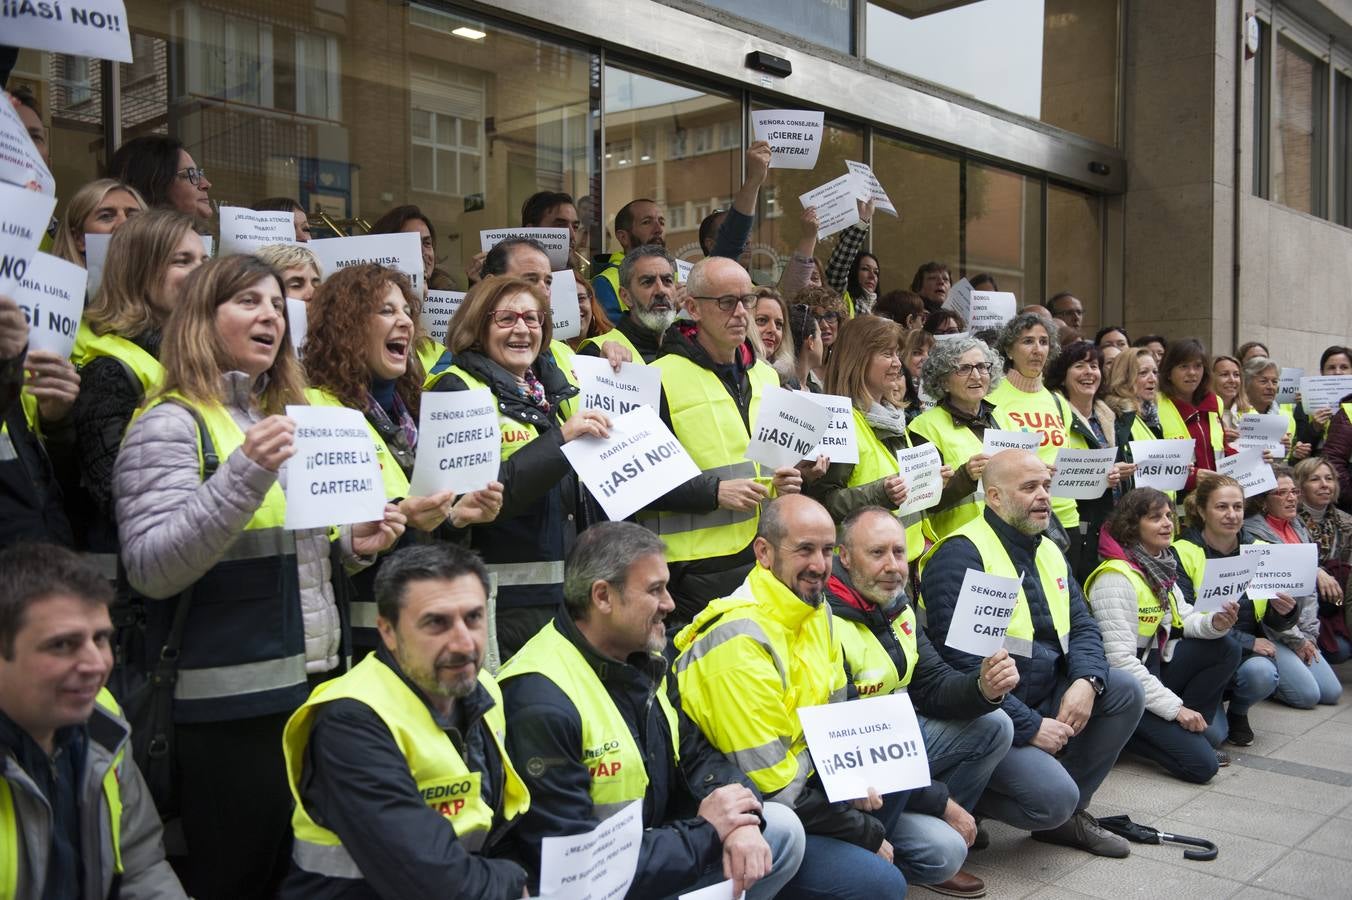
<point x="831" y="316"/>
<point x="507" y="318"/>
<point x="967" y="369"/>
<point x="195" y="176"/>
<point x="729" y="302"/>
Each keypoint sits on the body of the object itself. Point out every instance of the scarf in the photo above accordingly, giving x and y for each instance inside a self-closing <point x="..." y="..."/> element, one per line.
<point x="1324" y="531"/>
<point x="402" y="437"/>
<point x="1150" y="414"/>
<point x="1160" y="571"/>
<point x="533" y="390"/>
<point x="886" y="419"/>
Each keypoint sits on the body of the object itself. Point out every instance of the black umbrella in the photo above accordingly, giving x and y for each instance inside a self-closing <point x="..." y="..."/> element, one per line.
<point x="1144" y="834"/>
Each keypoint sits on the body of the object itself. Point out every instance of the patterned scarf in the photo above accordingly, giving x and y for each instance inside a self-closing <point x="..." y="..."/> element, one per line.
<point x="533" y="390"/>
<point x="1160" y="571"/>
<point x="401" y="439"/>
<point x="1150" y="414"/>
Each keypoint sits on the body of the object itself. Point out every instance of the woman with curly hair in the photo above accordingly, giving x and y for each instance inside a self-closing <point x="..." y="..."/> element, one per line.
<point x="358" y="355"/>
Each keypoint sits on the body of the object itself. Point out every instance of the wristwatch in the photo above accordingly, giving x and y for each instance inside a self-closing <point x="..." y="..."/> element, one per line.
<point x="1096" y="683"/>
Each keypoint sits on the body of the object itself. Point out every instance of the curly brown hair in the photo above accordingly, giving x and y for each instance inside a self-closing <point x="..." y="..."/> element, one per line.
<point x="335" y="340"/>
<point x="1125" y="521"/>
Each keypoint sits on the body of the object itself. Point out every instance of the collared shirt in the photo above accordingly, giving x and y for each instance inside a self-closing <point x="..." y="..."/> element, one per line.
<point x="58" y="777"/>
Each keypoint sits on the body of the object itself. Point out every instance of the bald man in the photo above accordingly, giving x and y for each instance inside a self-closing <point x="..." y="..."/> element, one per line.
<point x="1068" y="700"/>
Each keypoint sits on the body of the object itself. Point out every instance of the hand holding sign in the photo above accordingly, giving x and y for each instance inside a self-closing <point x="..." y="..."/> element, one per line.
<point x="789" y="427"/>
<point x="982" y="612"/>
<point x="1248" y="468"/>
<point x="640" y="461"/>
<point x="1083" y="474"/>
<point x="794" y="136"/>
<point x="835" y="205"/>
<point x="1263" y="432"/>
<point x="602" y="388"/>
<point x="1224" y="581"/>
<point x="335" y="479"/>
<point x="864" y="745"/>
<point x="459" y="442"/>
<point x="1163" y="464"/>
<point x="922" y="469"/>
<point x="596" y="865"/>
<point x="247" y="231"/>
<point x="52" y="296"/>
<point x="867" y="186"/>
<point x="1282" y="569"/>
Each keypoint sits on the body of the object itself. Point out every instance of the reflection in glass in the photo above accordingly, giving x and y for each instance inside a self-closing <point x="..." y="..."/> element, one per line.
<point x="1295" y="106"/>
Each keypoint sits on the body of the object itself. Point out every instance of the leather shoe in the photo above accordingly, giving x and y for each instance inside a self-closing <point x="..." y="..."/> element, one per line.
<point x="962" y="884"/>
<point x="1083" y="832"/>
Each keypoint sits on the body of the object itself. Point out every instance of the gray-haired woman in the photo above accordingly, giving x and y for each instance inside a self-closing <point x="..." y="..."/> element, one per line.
<point x="958" y="374"/>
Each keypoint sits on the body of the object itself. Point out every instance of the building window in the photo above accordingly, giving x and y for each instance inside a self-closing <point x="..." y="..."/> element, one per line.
<point x="1262" y="112"/>
<point x="1298" y="104"/>
<point x="75" y="79"/>
<point x="446" y="128"/>
<point x="1342" y="149"/>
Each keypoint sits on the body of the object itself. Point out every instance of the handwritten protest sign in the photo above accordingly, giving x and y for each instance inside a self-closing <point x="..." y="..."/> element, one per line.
<point x="334" y="478"/>
<point x="991" y="309"/>
<point x="1225" y="579"/>
<point x="247" y="231"/>
<point x="459" y="442"/>
<point x="437" y="311"/>
<point x="615" y="393"/>
<point x="981" y="614"/>
<point x="835" y="205"/>
<point x="564" y="310"/>
<point x="1323" y="391"/>
<point x="596" y="865"/>
<point x="920" y="466"/>
<point x="788" y="427"/>
<point x="298" y="321"/>
<point x="1163" y="464"/>
<point x="24" y="215"/>
<point x="554" y="240"/>
<point x="1288" y="385"/>
<point x="402" y="251"/>
<point x="1263" y="432"/>
<point x="1083" y="474"/>
<point x="838" y="442"/>
<point x="96" y="28"/>
<point x="96" y="252"/>
<point x="872" y="743"/>
<point x="1291" y="569"/>
<point x="639" y="462"/>
<point x="1247" y="467"/>
<point x="20" y="161"/>
<point x="794" y="136"/>
<point x="868" y="187"/>
<point x="52" y="296"/>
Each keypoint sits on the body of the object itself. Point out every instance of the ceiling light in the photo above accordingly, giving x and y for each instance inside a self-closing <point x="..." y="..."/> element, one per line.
<point x="645" y="157"/>
<point x="472" y="34"/>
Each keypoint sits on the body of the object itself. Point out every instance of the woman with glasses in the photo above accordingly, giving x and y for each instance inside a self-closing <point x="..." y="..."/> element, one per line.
<point x="1304" y="676"/>
<point x="165" y="175"/>
<point x="829" y="309"/>
<point x="944" y="321"/>
<point x="500" y="340"/>
<point x="1331" y="530"/>
<point x="100" y="207"/>
<point x="1262" y="378"/>
<point x="958" y="373"/>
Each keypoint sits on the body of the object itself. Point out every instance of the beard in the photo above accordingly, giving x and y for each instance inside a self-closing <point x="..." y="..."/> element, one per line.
<point x="655" y="321"/>
<point x="432" y="682"/>
<point x="1024" y="523"/>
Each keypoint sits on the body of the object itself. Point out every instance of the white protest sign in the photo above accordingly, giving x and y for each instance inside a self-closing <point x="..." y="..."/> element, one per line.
<point x="683" y="268"/>
<point x="1225" y="579"/>
<point x="564" y="310"/>
<point x="1247" y="467"/>
<point x="96" y="252"/>
<point x="835" y="205"/>
<point x="981" y="614"/>
<point x="334" y="478"/>
<point x="554" y="240"/>
<point x="20" y="161"/>
<point x="1288" y="385"/>
<point x="997" y="439"/>
<point x="924" y="484"/>
<point x="959" y="299"/>
<point x="1289" y="568"/>
<point x="402" y="251"/>
<point x="1323" y="391"/>
<point x="639" y="462"/>
<point x="1083" y="474"/>
<point x="720" y="891"/>
<point x="794" y="136"/>
<point x="839" y="441"/>
<point x="96" y="28"/>
<point x="208" y="244"/>
<point x="245" y="230"/>
<point x="437" y="311"/>
<point x="52" y="297"/>
<point x="874" y="743"/>
<point x="597" y="865"/>
<point x="1263" y="432"/>
<point x="298" y="320"/>
<point x="1163" y="464"/>
<point x="868" y="187"/>
<point x="459" y="442"/>
<point x="991" y="309"/>
<point x="24" y="216"/>
<point x="788" y="427"/>
<point x="615" y="393"/>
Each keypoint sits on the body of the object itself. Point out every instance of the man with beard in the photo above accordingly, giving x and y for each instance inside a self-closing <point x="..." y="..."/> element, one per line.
<point x="1072" y="713"/>
<point x="966" y="734"/>
<point x="638" y="222"/>
<point x="398" y="768"/>
<point x="749" y="661"/>
<point x="647" y="279"/>
<point x="595" y="727"/>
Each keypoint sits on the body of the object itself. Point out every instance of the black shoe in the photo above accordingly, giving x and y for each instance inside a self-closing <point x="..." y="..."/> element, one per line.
<point x="983" y="838"/>
<point x="1241" y="735"/>
<point x="1222" y="759"/>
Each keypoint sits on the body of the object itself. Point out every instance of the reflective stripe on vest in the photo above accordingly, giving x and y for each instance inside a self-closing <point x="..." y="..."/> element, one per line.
<point x="1193" y="558"/>
<point x="515" y="435"/>
<point x="614" y="336"/>
<point x="391" y="474"/>
<point x="956" y="444"/>
<point x="612" y="756"/>
<point x="708" y="423"/>
<point x="445" y="782"/>
<point x="1046" y="413"/>
<point x="1149" y="612"/>
<point x="563" y="358"/>
<point x="529" y="573"/>
<point x="876" y="462"/>
<point x="1052" y="572"/>
<point x="871" y="666"/>
<point x="90" y="346"/>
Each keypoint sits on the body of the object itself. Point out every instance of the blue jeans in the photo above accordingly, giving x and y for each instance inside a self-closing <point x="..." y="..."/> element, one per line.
<point x="1301" y="685"/>
<point x="927" y="849"/>
<point x="1342" y="654"/>
<point x="963" y="754"/>
<point x="838" y="870"/>
<point x="784" y="834"/>
<point x="1255" y="680"/>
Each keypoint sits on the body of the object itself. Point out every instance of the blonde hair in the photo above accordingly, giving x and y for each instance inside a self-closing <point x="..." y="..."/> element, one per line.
<point x="856" y="343"/>
<point x="193" y="353"/>
<point x="469" y="326"/>
<point x="1306" y="469"/>
<point x="289" y="256"/>
<point x="139" y="255"/>
<point x="81" y="206"/>
<point x="1120" y="394"/>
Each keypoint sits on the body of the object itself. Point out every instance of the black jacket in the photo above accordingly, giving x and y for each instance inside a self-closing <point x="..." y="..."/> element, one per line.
<point x="1048" y="667"/>
<point x="356" y="783"/>
<point x="31" y="498"/>
<point x="1246" y="626"/>
<point x="649" y="344"/>
<point x="545" y="742"/>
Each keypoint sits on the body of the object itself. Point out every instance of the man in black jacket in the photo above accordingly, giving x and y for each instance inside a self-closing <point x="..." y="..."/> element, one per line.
<point x="596" y="725"/>
<point x="648" y="287"/>
<point x="966" y="735"/>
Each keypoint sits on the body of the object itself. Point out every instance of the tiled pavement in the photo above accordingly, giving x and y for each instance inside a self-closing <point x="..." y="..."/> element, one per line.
<point x="1281" y="816"/>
